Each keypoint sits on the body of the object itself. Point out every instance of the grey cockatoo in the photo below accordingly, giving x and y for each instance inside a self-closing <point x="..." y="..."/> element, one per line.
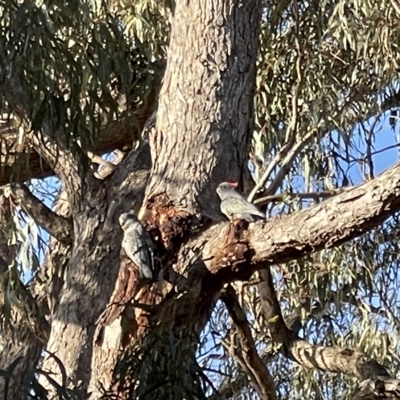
<point x="138" y="245"/>
<point x="234" y="205"/>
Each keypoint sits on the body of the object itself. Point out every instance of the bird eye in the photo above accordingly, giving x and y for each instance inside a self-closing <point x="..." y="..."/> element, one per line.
<point x="176" y="219"/>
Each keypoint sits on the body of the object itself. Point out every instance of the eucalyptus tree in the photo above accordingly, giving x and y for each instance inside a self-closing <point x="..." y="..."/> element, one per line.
<point x="145" y="107"/>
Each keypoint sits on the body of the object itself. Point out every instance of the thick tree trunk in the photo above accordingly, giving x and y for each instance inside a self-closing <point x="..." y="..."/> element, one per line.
<point x="90" y="274"/>
<point x="201" y="138"/>
<point x="204" y="119"/>
<point x="93" y="264"/>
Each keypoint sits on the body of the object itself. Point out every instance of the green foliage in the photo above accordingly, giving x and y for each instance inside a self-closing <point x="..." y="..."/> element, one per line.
<point x="325" y="66"/>
<point x="74" y="66"/>
<point x="327" y="71"/>
<point x="330" y="68"/>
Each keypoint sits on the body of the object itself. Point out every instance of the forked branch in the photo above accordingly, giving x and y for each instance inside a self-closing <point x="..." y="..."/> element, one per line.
<point x="326" y="358"/>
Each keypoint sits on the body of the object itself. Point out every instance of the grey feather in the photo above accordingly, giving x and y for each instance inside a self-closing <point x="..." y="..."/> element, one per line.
<point x="137" y="245"/>
<point x="234" y="205"/>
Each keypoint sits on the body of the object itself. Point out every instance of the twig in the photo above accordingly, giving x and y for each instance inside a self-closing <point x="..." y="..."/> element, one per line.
<point x="271" y="166"/>
<point x="288" y="162"/>
<point x="368" y="141"/>
<point x="290" y="134"/>
<point x="303" y="195"/>
<point x="107" y="166"/>
<point x="393" y="146"/>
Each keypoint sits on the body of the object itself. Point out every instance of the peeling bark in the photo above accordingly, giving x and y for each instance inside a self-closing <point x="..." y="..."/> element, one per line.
<point x="164" y="365"/>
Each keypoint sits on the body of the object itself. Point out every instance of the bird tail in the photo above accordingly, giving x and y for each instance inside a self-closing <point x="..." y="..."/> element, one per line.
<point x="260" y="214"/>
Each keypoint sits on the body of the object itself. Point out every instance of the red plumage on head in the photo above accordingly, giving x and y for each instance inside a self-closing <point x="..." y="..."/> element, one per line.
<point x="233" y="184"/>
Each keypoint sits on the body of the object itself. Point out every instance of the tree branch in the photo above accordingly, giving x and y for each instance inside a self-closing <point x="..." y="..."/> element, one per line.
<point x="20" y="161"/>
<point x="289" y="153"/>
<point x="290" y="134"/>
<point x="325" y="225"/>
<point x="376" y="381"/>
<point x="50" y="142"/>
<point x="334" y="359"/>
<point x="271" y="166"/>
<point x="56" y="225"/>
<point x="329" y="223"/>
<point x="106" y="168"/>
<point x="263" y="384"/>
<point x="230" y="387"/>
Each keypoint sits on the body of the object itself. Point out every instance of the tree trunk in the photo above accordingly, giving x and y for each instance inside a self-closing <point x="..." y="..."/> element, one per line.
<point x="199" y="141"/>
<point x="201" y="138"/>
<point x="204" y="118"/>
<point x="91" y="271"/>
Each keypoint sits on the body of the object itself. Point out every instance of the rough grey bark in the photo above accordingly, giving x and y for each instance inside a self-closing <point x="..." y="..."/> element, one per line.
<point x="327" y="224"/>
<point x="88" y="285"/>
<point x="214" y="146"/>
<point x="201" y="138"/>
<point x="204" y="117"/>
